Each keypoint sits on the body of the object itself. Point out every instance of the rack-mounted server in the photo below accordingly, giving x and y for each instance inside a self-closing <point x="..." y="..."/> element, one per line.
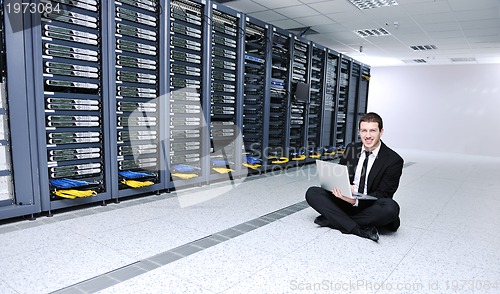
<point x="298" y="110"/>
<point x="186" y="86"/>
<point x="256" y="49"/>
<point x="138" y="104"/>
<point x="328" y="139"/>
<point x="73" y="101"/>
<point x="277" y="151"/>
<point x="314" y="147"/>
<point x="224" y="131"/>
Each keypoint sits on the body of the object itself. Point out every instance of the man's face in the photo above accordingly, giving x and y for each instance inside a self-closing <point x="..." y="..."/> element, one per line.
<point x="370" y="135"/>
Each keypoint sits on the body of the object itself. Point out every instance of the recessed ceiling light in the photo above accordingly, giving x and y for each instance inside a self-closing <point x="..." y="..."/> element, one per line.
<point x="372" y="32"/>
<point x="423" y="47"/>
<point x="369" y="4"/>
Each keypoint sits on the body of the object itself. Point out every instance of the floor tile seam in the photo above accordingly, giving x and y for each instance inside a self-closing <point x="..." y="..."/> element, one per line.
<point x="404" y="256"/>
<point x="186" y="244"/>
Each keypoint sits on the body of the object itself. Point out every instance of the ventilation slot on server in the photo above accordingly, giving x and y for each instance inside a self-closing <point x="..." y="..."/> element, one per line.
<point x="71" y="44"/>
<point x="137" y="106"/>
<point x="186" y="31"/>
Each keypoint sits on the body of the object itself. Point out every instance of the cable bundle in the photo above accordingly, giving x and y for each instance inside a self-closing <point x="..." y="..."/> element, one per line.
<point x="68" y="183"/>
<point x="128" y="174"/>
<point x="72" y="194"/>
<point x="137" y="184"/>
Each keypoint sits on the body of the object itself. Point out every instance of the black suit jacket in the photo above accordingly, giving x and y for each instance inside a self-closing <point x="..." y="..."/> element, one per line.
<point x="383" y="179"/>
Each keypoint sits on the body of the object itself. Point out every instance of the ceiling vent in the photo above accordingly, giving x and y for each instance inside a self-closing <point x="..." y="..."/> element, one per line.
<point x="424" y="47"/>
<point x="369" y="4"/>
<point x="415" y="61"/>
<point x="372" y="32"/>
<point x="463" y="59"/>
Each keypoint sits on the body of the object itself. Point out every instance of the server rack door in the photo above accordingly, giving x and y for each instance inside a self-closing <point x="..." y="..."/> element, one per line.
<point x="225" y="135"/>
<point x="328" y="129"/>
<point x="188" y="92"/>
<point x="317" y="96"/>
<point x="138" y="75"/>
<point x="298" y="118"/>
<point x="279" y="116"/>
<point x="18" y="155"/>
<point x="254" y="97"/>
<point x="70" y="52"/>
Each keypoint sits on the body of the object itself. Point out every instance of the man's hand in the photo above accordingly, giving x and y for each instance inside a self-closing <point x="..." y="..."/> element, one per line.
<point x="336" y="192"/>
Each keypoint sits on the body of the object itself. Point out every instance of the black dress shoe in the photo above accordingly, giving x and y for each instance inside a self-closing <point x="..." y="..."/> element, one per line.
<point x="367" y="232"/>
<point x="321" y="221"/>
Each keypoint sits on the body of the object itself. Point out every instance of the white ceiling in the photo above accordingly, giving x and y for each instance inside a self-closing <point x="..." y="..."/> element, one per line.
<point x="462" y="29"/>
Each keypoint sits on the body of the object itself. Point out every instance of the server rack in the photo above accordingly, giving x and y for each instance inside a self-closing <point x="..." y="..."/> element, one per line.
<point x="301" y="61"/>
<point x="70" y="57"/>
<point x="256" y="94"/>
<point x="137" y="86"/>
<point x="328" y="122"/>
<point x="362" y="98"/>
<point x="225" y="88"/>
<point x="280" y="88"/>
<point x="353" y="91"/>
<point x="189" y="93"/>
<point x="18" y="159"/>
<point x="342" y="101"/>
<point x="316" y="106"/>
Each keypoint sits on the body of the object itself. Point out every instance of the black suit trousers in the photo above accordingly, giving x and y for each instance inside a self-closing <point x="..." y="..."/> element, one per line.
<point x="344" y="217"/>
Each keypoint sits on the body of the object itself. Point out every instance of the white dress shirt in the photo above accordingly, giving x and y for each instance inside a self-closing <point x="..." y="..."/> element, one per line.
<point x="357" y="175"/>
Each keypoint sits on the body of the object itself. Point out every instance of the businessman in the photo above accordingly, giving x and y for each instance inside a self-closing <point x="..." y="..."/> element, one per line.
<point x="374" y="169"/>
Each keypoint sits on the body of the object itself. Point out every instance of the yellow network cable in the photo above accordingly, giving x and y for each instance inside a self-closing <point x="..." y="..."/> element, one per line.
<point x="137" y="184"/>
<point x="72" y="194"/>
<point x="252" y="166"/>
<point x="315" y="155"/>
<point x="184" y="176"/>
<point x="222" y="170"/>
<point x="301" y="157"/>
<point x="280" y="160"/>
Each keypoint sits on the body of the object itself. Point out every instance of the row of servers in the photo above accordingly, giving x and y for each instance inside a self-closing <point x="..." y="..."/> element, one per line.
<point x="111" y="99"/>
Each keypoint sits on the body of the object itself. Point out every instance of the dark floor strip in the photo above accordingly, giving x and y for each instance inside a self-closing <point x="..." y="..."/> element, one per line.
<point x="130" y="271"/>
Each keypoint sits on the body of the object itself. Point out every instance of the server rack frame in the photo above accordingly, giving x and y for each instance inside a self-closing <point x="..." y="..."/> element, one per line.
<point x="21" y="98"/>
<point x="239" y="171"/>
<point x="362" y="97"/>
<point x="46" y="203"/>
<point x="203" y="179"/>
<point x="266" y="96"/>
<point x="288" y="83"/>
<point x="162" y="100"/>
<point x="329" y="144"/>
<point x="310" y="157"/>
<point x="352" y="103"/>
<point x="303" y="148"/>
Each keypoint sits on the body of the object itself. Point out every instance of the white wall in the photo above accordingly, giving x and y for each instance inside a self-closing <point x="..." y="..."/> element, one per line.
<point x="451" y="108"/>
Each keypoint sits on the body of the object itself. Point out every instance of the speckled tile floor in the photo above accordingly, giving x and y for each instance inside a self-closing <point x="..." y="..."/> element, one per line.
<point x="259" y="237"/>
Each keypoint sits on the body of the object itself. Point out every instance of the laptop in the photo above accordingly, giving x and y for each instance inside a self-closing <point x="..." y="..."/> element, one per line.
<point x="334" y="175"/>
